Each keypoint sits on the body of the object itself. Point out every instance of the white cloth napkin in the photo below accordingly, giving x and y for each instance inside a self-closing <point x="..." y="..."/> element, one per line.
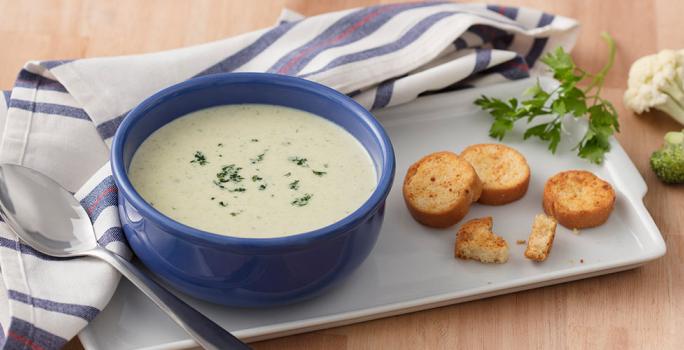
<point x="60" y="116"/>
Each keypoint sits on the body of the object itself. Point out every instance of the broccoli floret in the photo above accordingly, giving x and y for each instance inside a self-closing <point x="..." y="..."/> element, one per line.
<point x="668" y="162"/>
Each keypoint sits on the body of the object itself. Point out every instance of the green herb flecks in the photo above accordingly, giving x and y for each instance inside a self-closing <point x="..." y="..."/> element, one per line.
<point x="254" y="140"/>
<point x="299" y="161"/>
<point x="262" y="187"/>
<point x="200" y="158"/>
<point x="303" y="200"/>
<point x="256" y="178"/>
<point x="229" y="173"/>
<point x="223" y="204"/>
<point x="259" y="158"/>
<point x="294" y="185"/>
<point x="236" y="213"/>
<point x="287" y="174"/>
<point x="319" y="173"/>
<point x="566" y="99"/>
<point x="219" y="185"/>
<point x="219" y="145"/>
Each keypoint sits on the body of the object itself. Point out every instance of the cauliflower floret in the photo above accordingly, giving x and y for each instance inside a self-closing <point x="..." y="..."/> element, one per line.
<point x="656" y="81"/>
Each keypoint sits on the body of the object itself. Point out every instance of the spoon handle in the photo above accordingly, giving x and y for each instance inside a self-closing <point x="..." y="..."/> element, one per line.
<point x="204" y="331"/>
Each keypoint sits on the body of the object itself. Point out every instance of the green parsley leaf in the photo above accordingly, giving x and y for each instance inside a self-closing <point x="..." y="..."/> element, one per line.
<point x="566" y="99"/>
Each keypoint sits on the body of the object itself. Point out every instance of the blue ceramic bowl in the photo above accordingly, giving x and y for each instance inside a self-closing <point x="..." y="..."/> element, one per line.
<point x="250" y="272"/>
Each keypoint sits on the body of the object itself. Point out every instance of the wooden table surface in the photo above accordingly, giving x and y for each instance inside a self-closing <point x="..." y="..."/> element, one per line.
<point x="641" y="308"/>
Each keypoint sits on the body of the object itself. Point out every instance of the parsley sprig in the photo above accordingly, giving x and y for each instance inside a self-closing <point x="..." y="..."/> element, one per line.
<point x="566" y="99"/>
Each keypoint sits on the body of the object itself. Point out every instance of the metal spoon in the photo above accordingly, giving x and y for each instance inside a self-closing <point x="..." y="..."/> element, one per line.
<point x="49" y="219"/>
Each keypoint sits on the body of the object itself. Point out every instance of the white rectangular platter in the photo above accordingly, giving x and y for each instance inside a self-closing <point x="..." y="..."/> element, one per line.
<point x="413" y="267"/>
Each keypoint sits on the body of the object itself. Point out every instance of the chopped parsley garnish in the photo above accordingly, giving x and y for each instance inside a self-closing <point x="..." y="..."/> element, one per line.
<point x="294" y="185"/>
<point x="220" y="145"/>
<point x="200" y="158"/>
<point x="223" y="204"/>
<point x="219" y="184"/>
<point x="319" y="173"/>
<point x="229" y="173"/>
<point x="302" y="201"/>
<point x="288" y="174"/>
<point x="254" y="140"/>
<point x="236" y="213"/>
<point x="262" y="187"/>
<point x="258" y="158"/>
<point x="256" y="178"/>
<point x="299" y="161"/>
<point x="212" y="198"/>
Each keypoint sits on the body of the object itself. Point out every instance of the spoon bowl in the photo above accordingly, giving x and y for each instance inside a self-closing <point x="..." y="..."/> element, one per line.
<point x="48" y="218"/>
<point x="43" y="214"/>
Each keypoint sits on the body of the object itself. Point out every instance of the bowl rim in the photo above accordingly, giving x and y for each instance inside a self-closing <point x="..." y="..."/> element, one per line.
<point x="186" y="232"/>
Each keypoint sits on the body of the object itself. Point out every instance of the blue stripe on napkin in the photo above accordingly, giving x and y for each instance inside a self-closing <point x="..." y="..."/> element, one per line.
<point x="482" y="59"/>
<point x="23" y="335"/>
<point x="409" y="37"/>
<point x="25" y="249"/>
<point x="243" y="56"/>
<point x="510" y="12"/>
<point x="499" y="39"/>
<point x="85" y="312"/>
<point x="540" y="43"/>
<point x="108" y="128"/>
<point x="113" y="234"/>
<point x="514" y="69"/>
<point x="103" y="196"/>
<point x="348" y="29"/>
<point x="54" y="64"/>
<point x="383" y="94"/>
<point x="27" y="79"/>
<point x="49" y="108"/>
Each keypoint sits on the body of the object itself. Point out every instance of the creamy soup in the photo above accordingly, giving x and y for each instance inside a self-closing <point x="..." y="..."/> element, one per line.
<point x="253" y="171"/>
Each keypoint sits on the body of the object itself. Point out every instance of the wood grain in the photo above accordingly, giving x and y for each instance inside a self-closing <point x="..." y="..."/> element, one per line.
<point x="642" y="308"/>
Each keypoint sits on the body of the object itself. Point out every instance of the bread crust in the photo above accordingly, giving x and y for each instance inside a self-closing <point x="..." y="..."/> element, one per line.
<point x="578" y="199"/>
<point x="460" y="189"/>
<point x="494" y="190"/>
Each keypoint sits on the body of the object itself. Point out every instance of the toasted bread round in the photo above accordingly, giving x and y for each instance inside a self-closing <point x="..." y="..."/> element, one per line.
<point x="439" y="188"/>
<point x="504" y="172"/>
<point x="578" y="199"/>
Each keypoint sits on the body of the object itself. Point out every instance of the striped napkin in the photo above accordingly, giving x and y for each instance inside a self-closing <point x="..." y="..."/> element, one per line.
<point x="60" y="116"/>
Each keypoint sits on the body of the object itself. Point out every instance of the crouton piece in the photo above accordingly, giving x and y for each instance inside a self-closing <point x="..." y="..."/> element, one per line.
<point x="503" y="171"/>
<point x="578" y="199"/>
<point x="439" y="188"/>
<point x="475" y="240"/>
<point x="541" y="239"/>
